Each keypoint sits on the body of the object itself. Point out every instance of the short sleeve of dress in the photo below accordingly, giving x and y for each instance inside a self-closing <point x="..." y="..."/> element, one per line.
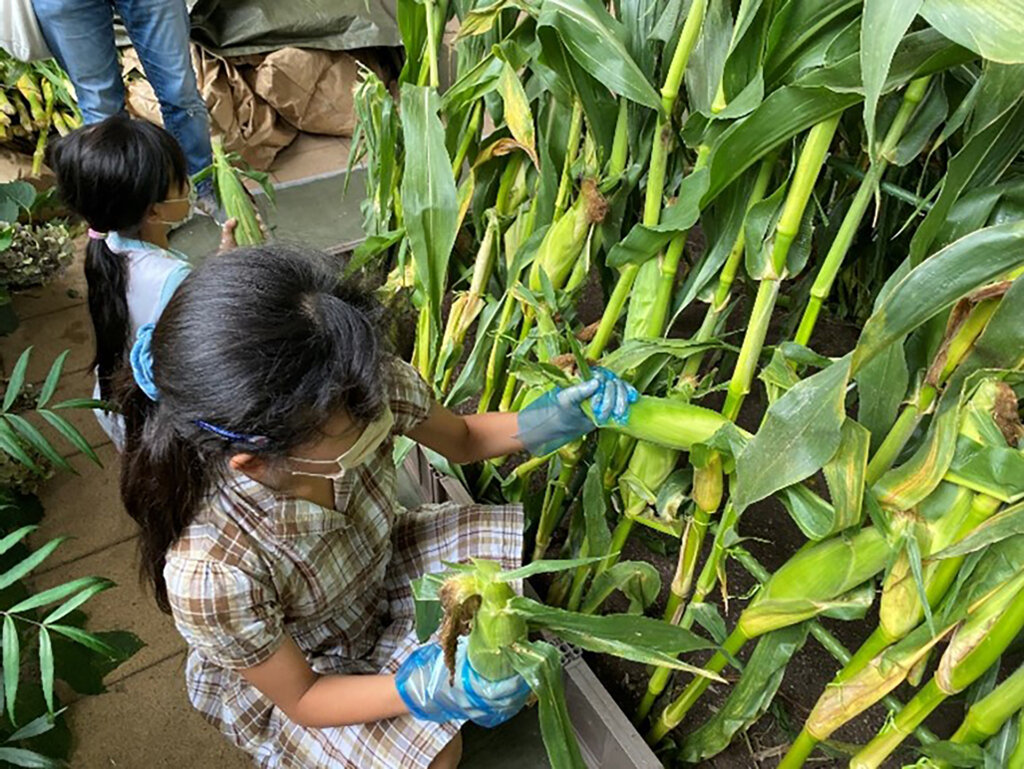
<point x="410" y="397"/>
<point x="232" y="618"/>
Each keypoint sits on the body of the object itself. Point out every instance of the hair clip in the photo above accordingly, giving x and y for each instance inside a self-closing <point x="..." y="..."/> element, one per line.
<point x="254" y="441"/>
<point x="96" y="234"/>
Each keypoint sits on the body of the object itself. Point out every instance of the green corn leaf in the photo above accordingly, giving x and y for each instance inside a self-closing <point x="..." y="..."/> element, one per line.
<point x="518" y="116"/>
<point x="371" y="248"/>
<point x="70" y="433"/>
<point x="640" y="639"/>
<point x="994" y="470"/>
<point x="37" y="440"/>
<point x="706" y="615"/>
<point x="931" y="113"/>
<point x="19" y="570"/>
<point x="46" y="667"/>
<point x="597" y="536"/>
<point x="801" y="431"/>
<point x="706" y="65"/>
<point x="28" y="759"/>
<point x="955" y="754"/>
<point x="990" y="28"/>
<point x="902" y="488"/>
<point x="1002" y="526"/>
<point x="914" y="558"/>
<point x="92" y="584"/>
<point x="52" y="379"/>
<point x="412" y="25"/>
<point x="801" y="27"/>
<point x="541" y="665"/>
<point x="935" y="285"/>
<point x="750" y="697"/>
<point x="980" y="162"/>
<point x="645" y="241"/>
<point x="548" y="567"/>
<point x="17" y="379"/>
<point x="88" y="640"/>
<point x="429" y="200"/>
<point x="639" y="581"/>
<point x="882" y="27"/>
<point x="15" y="537"/>
<point x="470" y="381"/>
<point x="595" y="41"/>
<point x="12" y="665"/>
<point x="817" y="96"/>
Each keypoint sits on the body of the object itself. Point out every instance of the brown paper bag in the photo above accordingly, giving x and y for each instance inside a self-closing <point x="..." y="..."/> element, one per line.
<point x="247" y="123"/>
<point x="310" y="89"/>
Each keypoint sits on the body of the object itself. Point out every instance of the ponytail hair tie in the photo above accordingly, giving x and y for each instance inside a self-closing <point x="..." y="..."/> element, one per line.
<point x="96" y="234"/>
<point x="141" y="359"/>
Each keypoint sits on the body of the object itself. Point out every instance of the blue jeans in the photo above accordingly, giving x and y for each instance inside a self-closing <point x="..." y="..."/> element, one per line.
<point x="80" y="33"/>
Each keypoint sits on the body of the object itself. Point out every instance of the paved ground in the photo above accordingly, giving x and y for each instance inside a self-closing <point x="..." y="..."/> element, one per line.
<point x="145" y="719"/>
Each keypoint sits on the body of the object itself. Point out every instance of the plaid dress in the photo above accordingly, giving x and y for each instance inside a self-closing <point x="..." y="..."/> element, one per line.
<point x="253" y="566"/>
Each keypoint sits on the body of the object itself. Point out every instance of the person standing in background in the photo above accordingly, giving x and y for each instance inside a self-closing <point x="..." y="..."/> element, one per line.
<point x="80" y="33"/>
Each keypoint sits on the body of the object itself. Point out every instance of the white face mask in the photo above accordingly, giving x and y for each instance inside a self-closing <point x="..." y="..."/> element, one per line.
<point x="373" y="435"/>
<point x="191" y="198"/>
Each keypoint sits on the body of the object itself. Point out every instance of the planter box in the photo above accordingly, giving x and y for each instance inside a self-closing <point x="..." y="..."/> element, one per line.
<point x="607" y="738"/>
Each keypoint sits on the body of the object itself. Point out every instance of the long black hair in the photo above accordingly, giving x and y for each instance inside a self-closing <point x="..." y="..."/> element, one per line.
<point x="263" y="341"/>
<point x="110" y="174"/>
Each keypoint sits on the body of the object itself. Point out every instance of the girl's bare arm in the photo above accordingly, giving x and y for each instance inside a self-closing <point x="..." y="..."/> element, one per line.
<point x="320" y="701"/>
<point x="472" y="438"/>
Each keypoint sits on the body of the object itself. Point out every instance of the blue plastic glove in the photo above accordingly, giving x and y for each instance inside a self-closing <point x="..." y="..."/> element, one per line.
<point x="422" y="683"/>
<point x="555" y="418"/>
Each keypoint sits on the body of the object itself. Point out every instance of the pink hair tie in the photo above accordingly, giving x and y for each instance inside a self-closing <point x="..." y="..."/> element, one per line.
<point x="95" y="235"/>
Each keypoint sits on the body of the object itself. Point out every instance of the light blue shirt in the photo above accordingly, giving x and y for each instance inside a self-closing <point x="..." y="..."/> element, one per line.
<point x="154" y="274"/>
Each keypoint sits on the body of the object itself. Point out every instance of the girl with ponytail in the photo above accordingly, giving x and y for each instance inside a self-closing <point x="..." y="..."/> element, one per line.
<point x="128" y="179"/>
<point x="260" y="423"/>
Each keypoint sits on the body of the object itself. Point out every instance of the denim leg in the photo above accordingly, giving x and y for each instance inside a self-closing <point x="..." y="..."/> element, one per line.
<point x="80" y="33"/>
<point x="159" y="30"/>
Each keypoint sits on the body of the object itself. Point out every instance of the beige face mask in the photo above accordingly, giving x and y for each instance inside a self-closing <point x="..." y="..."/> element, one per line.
<point x="373" y="435"/>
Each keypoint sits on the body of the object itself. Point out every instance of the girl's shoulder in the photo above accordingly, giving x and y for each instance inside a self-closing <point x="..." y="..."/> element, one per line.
<point x="229" y="527"/>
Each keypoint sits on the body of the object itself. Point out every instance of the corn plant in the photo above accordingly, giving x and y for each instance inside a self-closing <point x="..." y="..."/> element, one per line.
<point x="847" y="158"/>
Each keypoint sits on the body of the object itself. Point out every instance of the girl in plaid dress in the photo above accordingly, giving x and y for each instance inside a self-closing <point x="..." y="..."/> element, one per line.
<point x="259" y="466"/>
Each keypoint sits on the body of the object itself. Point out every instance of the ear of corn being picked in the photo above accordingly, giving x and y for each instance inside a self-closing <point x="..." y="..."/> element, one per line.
<point x="696" y="196"/>
<point x="228" y="173"/>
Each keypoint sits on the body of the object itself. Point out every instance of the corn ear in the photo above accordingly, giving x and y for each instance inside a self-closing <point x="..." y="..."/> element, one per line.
<point x="29" y="89"/>
<point x="670" y="423"/>
<point x="235" y="198"/>
<point x="813" y="578"/>
<point x="841" y="702"/>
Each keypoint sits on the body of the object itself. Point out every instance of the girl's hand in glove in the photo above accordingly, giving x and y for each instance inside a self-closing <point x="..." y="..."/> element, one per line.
<point x="557" y="417"/>
<point x="423" y="684"/>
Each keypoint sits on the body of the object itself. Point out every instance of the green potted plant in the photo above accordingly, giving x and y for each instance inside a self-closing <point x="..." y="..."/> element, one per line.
<point x="31" y="252"/>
